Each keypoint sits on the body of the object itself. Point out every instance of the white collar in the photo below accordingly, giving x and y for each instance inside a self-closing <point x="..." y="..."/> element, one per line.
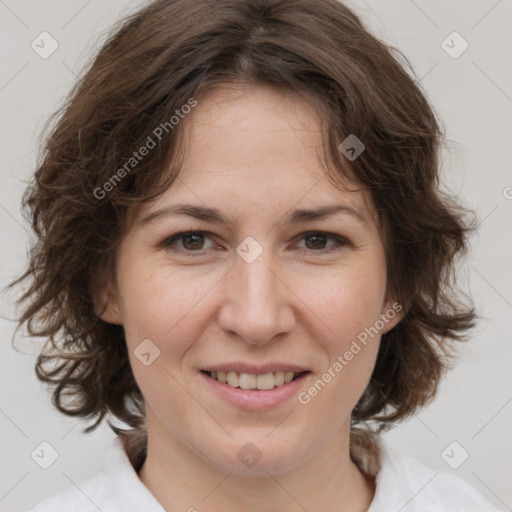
<point x="400" y="482"/>
<point x="126" y="490"/>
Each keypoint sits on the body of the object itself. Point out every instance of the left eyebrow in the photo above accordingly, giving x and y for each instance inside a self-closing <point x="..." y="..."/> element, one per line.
<point x="295" y="217"/>
<point x="323" y="212"/>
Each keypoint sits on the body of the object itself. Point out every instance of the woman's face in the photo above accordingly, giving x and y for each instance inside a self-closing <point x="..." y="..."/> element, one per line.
<point x="264" y="288"/>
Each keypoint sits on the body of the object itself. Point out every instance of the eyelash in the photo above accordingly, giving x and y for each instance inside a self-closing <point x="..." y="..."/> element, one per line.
<point x="169" y="243"/>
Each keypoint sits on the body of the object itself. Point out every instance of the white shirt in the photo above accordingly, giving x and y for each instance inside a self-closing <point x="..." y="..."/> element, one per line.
<point x="402" y="484"/>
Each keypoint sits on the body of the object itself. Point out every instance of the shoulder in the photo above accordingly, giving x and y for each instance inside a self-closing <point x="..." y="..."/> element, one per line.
<point x="408" y="485"/>
<point x="82" y="498"/>
<point x="115" y="488"/>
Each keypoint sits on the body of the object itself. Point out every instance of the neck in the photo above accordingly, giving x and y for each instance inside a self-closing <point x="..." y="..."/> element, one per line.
<point x="180" y="479"/>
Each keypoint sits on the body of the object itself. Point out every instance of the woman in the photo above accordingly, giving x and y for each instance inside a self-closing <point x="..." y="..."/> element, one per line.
<point x="243" y="255"/>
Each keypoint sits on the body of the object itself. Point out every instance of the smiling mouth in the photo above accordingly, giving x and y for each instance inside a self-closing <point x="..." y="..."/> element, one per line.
<point x="263" y="382"/>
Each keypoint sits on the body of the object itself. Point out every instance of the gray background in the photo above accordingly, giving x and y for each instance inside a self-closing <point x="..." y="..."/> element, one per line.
<point x="473" y="93"/>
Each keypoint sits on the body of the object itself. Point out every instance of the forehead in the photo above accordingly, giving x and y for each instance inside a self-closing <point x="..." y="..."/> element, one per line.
<point x="253" y="127"/>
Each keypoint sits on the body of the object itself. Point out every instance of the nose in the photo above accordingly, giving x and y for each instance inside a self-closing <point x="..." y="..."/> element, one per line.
<point x="256" y="304"/>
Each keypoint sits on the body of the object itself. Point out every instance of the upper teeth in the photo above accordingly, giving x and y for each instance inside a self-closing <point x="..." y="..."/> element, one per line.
<point x="251" y="381"/>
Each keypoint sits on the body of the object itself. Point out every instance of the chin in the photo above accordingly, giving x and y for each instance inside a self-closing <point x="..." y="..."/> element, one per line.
<point x="257" y="459"/>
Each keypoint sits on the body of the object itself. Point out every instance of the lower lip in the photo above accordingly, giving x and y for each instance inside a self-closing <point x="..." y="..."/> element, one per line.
<point x="253" y="399"/>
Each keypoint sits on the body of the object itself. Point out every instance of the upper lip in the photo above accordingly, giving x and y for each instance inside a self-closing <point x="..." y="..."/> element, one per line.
<point x="256" y="369"/>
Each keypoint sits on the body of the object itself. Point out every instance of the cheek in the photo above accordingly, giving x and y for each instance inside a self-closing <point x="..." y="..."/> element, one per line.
<point x="159" y="302"/>
<point x="347" y="300"/>
<point x="165" y="307"/>
<point x="347" y="306"/>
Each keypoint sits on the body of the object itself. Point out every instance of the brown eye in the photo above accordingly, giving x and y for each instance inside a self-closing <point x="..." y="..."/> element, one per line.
<point x="321" y="242"/>
<point x="187" y="242"/>
<point x="193" y="242"/>
<point x="316" y="241"/>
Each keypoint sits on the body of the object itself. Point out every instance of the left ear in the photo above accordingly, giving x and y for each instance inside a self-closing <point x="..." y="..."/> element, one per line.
<point x="104" y="297"/>
<point x="392" y="313"/>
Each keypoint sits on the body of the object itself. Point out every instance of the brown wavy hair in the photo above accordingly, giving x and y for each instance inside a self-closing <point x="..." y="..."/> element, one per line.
<point x="154" y="63"/>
